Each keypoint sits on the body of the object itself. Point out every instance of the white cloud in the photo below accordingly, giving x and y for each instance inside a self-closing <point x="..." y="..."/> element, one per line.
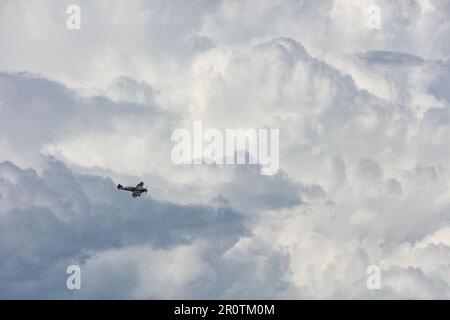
<point x="364" y="131"/>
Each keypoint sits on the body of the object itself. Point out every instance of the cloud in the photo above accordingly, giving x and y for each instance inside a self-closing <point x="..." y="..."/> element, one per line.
<point x="363" y="119"/>
<point x="48" y="220"/>
<point x="82" y="129"/>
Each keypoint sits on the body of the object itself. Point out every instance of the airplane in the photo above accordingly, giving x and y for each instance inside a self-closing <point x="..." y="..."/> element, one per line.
<point x="136" y="191"/>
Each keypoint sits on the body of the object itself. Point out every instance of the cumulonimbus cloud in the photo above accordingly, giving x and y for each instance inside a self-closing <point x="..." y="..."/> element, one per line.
<point x="364" y="133"/>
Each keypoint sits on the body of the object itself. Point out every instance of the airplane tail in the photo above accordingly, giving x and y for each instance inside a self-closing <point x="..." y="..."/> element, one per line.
<point x="120" y="187"/>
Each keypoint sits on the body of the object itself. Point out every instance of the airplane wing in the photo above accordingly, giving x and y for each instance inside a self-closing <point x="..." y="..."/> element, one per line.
<point x="136" y="194"/>
<point x="141" y="184"/>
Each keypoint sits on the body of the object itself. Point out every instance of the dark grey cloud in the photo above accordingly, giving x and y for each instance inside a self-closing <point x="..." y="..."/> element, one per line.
<point x="58" y="223"/>
<point x="252" y="192"/>
<point x="391" y="58"/>
<point x="35" y="111"/>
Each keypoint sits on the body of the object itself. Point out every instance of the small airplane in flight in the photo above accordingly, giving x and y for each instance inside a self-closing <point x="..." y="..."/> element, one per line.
<point x="136" y="191"/>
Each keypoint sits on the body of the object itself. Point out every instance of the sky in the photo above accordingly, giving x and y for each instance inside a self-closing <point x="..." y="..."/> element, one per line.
<point x="358" y="91"/>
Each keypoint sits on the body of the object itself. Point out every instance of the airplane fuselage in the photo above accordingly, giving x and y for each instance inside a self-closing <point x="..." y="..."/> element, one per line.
<point x="136" y="191"/>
